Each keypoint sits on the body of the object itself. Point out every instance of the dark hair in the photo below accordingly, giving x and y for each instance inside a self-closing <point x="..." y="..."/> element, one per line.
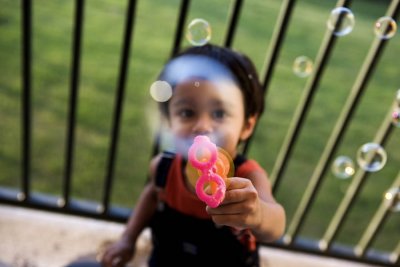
<point x="239" y="65"/>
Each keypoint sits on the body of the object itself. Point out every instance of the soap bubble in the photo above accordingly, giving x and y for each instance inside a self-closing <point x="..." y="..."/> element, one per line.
<point x="341" y="21"/>
<point x="396" y="117"/>
<point x="302" y="66"/>
<point x="371" y="157"/>
<point x="160" y="91"/>
<point x="195" y="68"/>
<point x="198" y="32"/>
<point x="343" y="167"/>
<point x="385" y="28"/>
<point x="392" y="199"/>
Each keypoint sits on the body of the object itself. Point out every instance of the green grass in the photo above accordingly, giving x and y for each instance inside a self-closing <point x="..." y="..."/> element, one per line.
<point x="151" y="46"/>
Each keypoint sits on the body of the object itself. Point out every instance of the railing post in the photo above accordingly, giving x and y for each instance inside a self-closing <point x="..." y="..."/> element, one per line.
<point x="26" y="13"/>
<point x="360" y="84"/>
<point x="120" y="92"/>
<point x="234" y="15"/>
<point x="73" y="101"/>
<point x="376" y="223"/>
<point x="273" y="54"/>
<point x="358" y="180"/>
<point x="183" y="11"/>
<point x="305" y="102"/>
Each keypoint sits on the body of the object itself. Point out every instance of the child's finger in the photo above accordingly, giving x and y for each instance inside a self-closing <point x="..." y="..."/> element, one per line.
<point x="237" y="183"/>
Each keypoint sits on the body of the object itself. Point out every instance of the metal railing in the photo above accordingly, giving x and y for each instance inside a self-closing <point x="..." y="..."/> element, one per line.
<point x="292" y="241"/>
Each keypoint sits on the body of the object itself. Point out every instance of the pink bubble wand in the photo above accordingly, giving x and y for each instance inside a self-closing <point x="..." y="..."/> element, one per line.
<point x="207" y="167"/>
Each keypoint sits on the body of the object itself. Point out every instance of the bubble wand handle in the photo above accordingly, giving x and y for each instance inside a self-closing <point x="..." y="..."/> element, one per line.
<point x="207" y="167"/>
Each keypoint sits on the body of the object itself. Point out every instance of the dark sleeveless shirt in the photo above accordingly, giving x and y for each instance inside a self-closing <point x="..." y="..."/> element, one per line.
<point x="183" y="233"/>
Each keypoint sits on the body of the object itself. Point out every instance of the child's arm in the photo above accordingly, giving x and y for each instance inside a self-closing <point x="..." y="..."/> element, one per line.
<point x="123" y="250"/>
<point x="249" y="204"/>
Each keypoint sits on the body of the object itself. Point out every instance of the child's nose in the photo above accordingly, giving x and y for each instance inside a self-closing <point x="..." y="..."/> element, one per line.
<point x="203" y="125"/>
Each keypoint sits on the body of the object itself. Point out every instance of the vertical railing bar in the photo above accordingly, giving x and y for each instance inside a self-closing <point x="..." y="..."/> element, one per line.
<point x="76" y="58"/>
<point x="369" y="65"/>
<point x="304" y="104"/>
<point x="276" y="43"/>
<point x="183" y="11"/>
<point x="116" y="123"/>
<point x="26" y="30"/>
<point x="333" y="142"/>
<point x="354" y="188"/>
<point x="278" y="37"/>
<point x="375" y="225"/>
<point x="395" y="255"/>
<point x="234" y="16"/>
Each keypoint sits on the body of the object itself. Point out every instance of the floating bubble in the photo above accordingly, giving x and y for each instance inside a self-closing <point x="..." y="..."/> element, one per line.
<point x="160" y="91"/>
<point x="392" y="199"/>
<point x="396" y="117"/>
<point x="302" y="66"/>
<point x="343" y="167"/>
<point x="371" y="157"/>
<point x="195" y="68"/>
<point x="385" y="28"/>
<point x="198" y="32"/>
<point x="341" y="21"/>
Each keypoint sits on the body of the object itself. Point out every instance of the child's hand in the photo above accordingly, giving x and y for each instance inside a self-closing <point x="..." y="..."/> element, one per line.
<point x="241" y="206"/>
<point x="118" y="254"/>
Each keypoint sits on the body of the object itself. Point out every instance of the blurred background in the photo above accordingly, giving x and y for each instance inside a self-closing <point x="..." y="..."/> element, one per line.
<point x="152" y="43"/>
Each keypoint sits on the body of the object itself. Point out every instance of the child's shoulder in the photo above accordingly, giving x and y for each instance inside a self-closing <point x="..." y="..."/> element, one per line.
<point x="160" y="163"/>
<point x="244" y="165"/>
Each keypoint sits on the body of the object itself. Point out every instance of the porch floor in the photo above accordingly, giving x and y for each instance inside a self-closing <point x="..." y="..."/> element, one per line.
<point x="31" y="238"/>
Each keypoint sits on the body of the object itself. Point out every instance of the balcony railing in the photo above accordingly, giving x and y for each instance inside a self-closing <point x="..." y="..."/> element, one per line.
<point x="360" y="250"/>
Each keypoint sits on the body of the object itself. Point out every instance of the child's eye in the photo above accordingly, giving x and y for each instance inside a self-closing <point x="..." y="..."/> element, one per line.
<point x="186" y="113"/>
<point x="218" y="114"/>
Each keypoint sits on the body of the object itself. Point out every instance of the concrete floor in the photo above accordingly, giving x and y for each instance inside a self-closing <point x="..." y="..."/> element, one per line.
<point x="31" y="238"/>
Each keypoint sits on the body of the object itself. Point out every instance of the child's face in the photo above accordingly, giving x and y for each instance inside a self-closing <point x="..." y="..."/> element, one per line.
<point x="214" y="109"/>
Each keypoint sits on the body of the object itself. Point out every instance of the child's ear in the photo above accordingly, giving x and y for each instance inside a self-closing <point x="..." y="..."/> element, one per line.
<point x="248" y="127"/>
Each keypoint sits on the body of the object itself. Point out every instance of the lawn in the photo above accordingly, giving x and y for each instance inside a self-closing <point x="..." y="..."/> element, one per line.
<point x="151" y="46"/>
